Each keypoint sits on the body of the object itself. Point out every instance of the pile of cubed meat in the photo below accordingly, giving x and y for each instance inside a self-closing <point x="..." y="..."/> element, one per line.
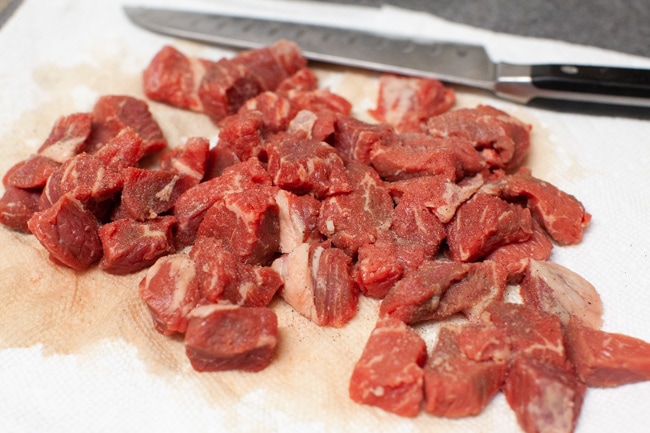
<point x="428" y="209"/>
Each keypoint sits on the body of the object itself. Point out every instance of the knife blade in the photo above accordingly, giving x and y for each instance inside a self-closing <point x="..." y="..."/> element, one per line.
<point x="450" y="62"/>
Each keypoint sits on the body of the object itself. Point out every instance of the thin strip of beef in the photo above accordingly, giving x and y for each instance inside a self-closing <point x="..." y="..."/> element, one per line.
<point x="221" y="338"/>
<point x="359" y="217"/>
<point x="113" y="113"/>
<point x="69" y="232"/>
<point x="130" y="246"/>
<point x="502" y="140"/>
<point x="466" y="369"/>
<point x="552" y="288"/>
<point x="247" y="223"/>
<point x="68" y="137"/>
<point x="562" y="216"/>
<point x="171" y="291"/>
<point x="416" y="297"/>
<point x="17" y="206"/>
<point x="389" y="372"/>
<point x="606" y="359"/>
<point x="191" y="206"/>
<point x="484" y="223"/>
<point x="174" y="78"/>
<point x="408" y="102"/>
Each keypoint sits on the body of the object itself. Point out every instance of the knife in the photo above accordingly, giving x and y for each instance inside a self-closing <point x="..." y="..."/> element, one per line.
<point x="453" y="63"/>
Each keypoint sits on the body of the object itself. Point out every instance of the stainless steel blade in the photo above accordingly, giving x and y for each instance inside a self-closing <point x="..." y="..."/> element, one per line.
<point x="450" y="62"/>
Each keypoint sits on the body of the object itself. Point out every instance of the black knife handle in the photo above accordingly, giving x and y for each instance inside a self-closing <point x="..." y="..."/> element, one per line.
<point x="596" y="84"/>
<point x="592" y="79"/>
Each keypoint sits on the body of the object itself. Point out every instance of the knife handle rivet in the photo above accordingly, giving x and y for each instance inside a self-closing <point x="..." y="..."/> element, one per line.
<point x="569" y="69"/>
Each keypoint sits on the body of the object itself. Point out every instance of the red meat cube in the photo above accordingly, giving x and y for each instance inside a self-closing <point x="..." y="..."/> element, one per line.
<point x="247" y="222"/>
<point x="31" y="173"/>
<point x="407" y="102"/>
<point x="68" y="137"/>
<point x="389" y="372"/>
<point x="130" y="246"/>
<point x="484" y="223"/>
<point x="188" y="161"/>
<point x="359" y="217"/>
<point x="305" y="166"/>
<point x="605" y="359"/>
<point x="171" y="291"/>
<point x="467" y="368"/>
<point x="355" y="140"/>
<point x="221" y="338"/>
<point x="502" y="140"/>
<point x="173" y="78"/>
<point x="318" y="283"/>
<point x="17" y="206"/>
<point x="113" y="113"/>
<point x="69" y="232"/>
<point x="148" y="193"/>
<point x="546" y="397"/>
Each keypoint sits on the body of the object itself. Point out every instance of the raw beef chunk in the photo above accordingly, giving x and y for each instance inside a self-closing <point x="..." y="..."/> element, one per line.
<point x="123" y="150"/>
<point x="407" y="102"/>
<point x="303" y="166"/>
<point x="174" y="78"/>
<point x="242" y="135"/>
<point x="220" y="338"/>
<point x="414" y="224"/>
<point x="516" y="256"/>
<point x="298" y="219"/>
<point x="389" y="372"/>
<point x="484" y="283"/>
<point x="188" y="161"/>
<point x="466" y="369"/>
<point x="355" y="139"/>
<point x="85" y="178"/>
<point x="247" y="222"/>
<point x="317" y="113"/>
<point x="532" y="333"/>
<point x="171" y="290"/>
<point x="484" y="223"/>
<point x="555" y="289"/>
<point x="562" y="215"/>
<point x="148" y="193"/>
<point x="68" y="232"/>
<point x="303" y="79"/>
<point x="416" y="297"/>
<point x="17" y="206"/>
<point x="318" y="283"/>
<point x="31" y="173"/>
<point x="545" y="397"/>
<point x="223" y="276"/>
<point x="437" y="193"/>
<point x="502" y="140"/>
<point x="113" y="113"/>
<point x="190" y="208"/>
<point x="130" y="246"/>
<point x="378" y="268"/>
<point x="359" y="217"/>
<point x="68" y="137"/>
<point x="229" y="83"/>
<point x="274" y="110"/>
<point x="605" y="359"/>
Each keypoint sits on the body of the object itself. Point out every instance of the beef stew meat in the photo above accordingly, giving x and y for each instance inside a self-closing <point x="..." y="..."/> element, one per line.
<point x="428" y="211"/>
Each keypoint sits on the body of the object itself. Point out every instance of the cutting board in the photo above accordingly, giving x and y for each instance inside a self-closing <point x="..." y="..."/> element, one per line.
<point x="78" y="350"/>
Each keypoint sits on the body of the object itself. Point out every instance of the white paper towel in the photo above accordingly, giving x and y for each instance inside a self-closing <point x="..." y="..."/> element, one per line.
<point x="114" y="373"/>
